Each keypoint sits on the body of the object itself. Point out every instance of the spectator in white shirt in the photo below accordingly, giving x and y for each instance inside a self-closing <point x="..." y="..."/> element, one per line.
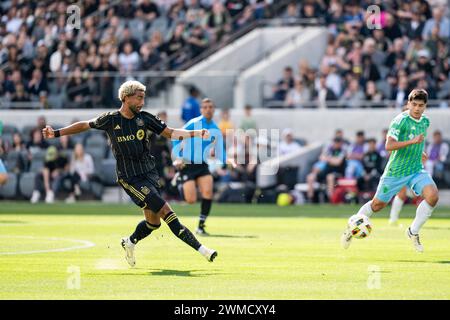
<point x="288" y="145"/>
<point x="81" y="169"/>
<point x="441" y="20"/>
<point x="128" y="59"/>
<point x="297" y="96"/>
<point x="57" y="57"/>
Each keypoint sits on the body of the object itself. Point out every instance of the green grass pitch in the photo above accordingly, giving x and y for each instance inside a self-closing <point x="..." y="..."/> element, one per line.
<point x="265" y="252"/>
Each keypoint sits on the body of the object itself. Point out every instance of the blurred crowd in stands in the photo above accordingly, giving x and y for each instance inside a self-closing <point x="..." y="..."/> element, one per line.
<point x="45" y="58"/>
<point x="364" y="66"/>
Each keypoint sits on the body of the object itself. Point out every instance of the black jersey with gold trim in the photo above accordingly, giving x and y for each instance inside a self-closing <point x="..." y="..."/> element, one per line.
<point x="130" y="140"/>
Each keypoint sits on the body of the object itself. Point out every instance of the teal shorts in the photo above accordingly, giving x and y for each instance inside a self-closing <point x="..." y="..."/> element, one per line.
<point x="388" y="187"/>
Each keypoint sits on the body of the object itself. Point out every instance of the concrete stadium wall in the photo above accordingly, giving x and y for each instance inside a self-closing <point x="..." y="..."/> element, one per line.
<point x="215" y="76"/>
<point x="312" y="125"/>
<point x="309" y="45"/>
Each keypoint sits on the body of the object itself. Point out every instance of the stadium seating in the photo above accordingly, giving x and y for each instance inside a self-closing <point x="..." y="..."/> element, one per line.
<point x="108" y="174"/>
<point x="26" y="184"/>
<point x="9" y="190"/>
<point x="37" y="161"/>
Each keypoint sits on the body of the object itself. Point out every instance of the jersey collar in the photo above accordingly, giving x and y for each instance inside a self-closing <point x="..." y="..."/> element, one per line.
<point x="421" y="117"/>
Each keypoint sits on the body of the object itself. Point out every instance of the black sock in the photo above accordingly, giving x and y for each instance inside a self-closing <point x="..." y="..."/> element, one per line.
<point x="204" y="211"/>
<point x="181" y="231"/>
<point x="143" y="229"/>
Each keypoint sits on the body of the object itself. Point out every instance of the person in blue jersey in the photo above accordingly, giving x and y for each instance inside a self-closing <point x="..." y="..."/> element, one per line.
<point x="191" y="107"/>
<point x="191" y="156"/>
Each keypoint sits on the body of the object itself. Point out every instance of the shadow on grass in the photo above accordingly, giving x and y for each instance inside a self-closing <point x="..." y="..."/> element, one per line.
<point x="162" y="272"/>
<point x="230" y="236"/>
<point x="12" y="222"/>
<point x="437" y="228"/>
<point x="422" y="261"/>
<point x="182" y="273"/>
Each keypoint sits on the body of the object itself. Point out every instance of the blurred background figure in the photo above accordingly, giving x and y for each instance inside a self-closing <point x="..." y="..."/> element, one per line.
<point x="81" y="170"/>
<point x="437" y="152"/>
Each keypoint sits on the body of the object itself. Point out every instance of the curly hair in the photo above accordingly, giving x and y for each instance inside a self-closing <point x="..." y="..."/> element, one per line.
<point x="129" y="88"/>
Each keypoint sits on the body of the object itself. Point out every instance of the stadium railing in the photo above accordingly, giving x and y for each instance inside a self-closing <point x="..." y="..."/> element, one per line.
<point x="361" y="104"/>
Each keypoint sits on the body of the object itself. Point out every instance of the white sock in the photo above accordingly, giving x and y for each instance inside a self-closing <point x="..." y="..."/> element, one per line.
<point x="366" y="210"/>
<point x="397" y="206"/>
<point x="203" y="250"/>
<point x="423" y="212"/>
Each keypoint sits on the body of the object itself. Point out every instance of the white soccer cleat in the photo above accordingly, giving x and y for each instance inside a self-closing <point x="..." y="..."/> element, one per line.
<point x="35" y="196"/>
<point x="346" y="238"/>
<point x="50" y="197"/>
<point x="71" y="199"/>
<point x="201" y="231"/>
<point x="128" y="246"/>
<point x="209" y="254"/>
<point x="415" y="240"/>
<point x="77" y="190"/>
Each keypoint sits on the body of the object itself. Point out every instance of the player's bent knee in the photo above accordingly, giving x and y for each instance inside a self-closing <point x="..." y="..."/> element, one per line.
<point x="207" y="195"/>
<point x="190" y="200"/>
<point x="378" y="205"/>
<point x="165" y="210"/>
<point x="432" y="199"/>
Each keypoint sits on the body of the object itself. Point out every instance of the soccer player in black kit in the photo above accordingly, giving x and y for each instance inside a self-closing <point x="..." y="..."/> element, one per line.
<point x="129" y="131"/>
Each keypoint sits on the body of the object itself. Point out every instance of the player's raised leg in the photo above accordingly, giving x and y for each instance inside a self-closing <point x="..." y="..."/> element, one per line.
<point x="205" y="184"/>
<point x="397" y="205"/>
<point x="184" y="234"/>
<point x="423" y="184"/>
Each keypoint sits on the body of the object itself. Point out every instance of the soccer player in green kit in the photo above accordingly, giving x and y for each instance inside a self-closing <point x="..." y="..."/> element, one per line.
<point x="405" y="139"/>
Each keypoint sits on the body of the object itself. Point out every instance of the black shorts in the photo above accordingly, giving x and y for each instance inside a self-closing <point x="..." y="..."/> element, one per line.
<point x="144" y="190"/>
<point x="338" y="171"/>
<point x="193" y="171"/>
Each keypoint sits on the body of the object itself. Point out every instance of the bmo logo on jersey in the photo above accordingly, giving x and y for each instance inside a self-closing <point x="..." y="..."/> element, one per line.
<point x="129" y="137"/>
<point x="140" y="134"/>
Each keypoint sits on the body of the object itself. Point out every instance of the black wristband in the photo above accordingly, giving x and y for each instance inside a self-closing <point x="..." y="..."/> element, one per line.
<point x="57" y="133"/>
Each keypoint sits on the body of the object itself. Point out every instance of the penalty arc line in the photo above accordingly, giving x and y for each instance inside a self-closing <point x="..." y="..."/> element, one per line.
<point x="84" y="245"/>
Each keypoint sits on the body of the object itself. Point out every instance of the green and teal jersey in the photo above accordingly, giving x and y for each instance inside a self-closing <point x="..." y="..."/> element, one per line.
<point x="406" y="161"/>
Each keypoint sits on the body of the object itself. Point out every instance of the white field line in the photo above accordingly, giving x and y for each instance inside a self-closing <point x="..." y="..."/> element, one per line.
<point x="83" y="245"/>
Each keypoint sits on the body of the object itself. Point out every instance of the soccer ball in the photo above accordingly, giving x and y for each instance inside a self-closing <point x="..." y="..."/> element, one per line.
<point x="359" y="226"/>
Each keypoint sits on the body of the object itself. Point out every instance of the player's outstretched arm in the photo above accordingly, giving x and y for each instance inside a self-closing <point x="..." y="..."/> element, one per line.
<point x="180" y="134"/>
<point x="392" y="144"/>
<point x="48" y="132"/>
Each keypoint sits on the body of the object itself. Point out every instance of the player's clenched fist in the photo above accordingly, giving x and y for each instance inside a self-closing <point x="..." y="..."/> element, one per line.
<point x="204" y="134"/>
<point x="417" y="139"/>
<point x="48" y="132"/>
